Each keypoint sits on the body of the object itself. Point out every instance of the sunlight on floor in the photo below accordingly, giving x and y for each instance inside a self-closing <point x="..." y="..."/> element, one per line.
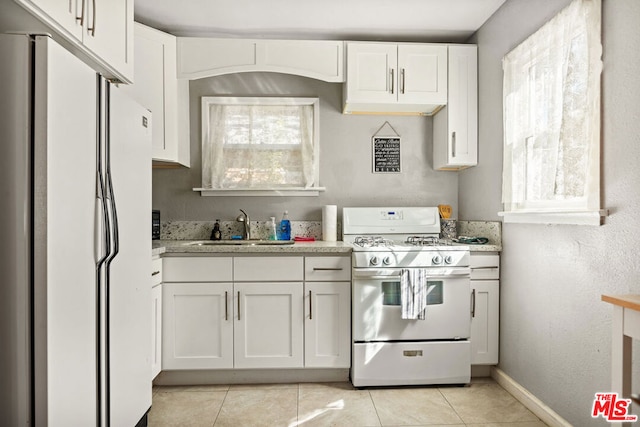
<point x="337" y="405"/>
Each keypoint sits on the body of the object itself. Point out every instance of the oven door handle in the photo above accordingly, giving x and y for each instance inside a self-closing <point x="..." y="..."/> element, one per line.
<point x="376" y="273"/>
<point x="449" y="274"/>
<point x="432" y="273"/>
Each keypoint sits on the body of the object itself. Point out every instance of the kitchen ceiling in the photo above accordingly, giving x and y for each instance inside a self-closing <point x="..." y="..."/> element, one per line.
<point x="393" y="20"/>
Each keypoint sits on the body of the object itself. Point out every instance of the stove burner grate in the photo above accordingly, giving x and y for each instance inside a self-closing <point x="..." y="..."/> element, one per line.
<point x="372" y="241"/>
<point x="423" y="241"/>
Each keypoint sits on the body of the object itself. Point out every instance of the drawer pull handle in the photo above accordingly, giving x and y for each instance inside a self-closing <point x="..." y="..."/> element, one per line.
<point x="155" y="273"/>
<point x="412" y="353"/>
<point x="484" y="268"/>
<point x="327" y="269"/>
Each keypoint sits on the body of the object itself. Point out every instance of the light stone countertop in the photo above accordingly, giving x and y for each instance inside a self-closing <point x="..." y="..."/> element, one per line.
<point x="165" y="247"/>
<point x="160" y="247"/>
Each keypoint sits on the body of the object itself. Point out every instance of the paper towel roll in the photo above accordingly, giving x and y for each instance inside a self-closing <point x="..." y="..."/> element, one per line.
<point x="329" y="223"/>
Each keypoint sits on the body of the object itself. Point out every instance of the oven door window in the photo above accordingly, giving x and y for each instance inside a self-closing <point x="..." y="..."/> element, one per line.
<point x="391" y="293"/>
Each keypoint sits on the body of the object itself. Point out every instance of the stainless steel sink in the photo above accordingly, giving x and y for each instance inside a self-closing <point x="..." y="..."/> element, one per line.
<point x="241" y="243"/>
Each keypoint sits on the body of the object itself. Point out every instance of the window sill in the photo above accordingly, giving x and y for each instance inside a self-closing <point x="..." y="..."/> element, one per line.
<point x="287" y="192"/>
<point x="557" y="217"/>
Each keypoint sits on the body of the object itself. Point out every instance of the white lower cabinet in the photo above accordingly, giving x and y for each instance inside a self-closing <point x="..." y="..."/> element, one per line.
<point x="198" y="326"/>
<point x="156" y="334"/>
<point x="286" y="320"/>
<point x="156" y="317"/>
<point x="268" y="327"/>
<point x="485" y="320"/>
<point x="327" y="325"/>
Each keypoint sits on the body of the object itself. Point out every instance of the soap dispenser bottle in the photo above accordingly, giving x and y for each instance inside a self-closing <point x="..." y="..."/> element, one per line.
<point x="216" y="234"/>
<point x="272" y="228"/>
<point x="285" y="227"/>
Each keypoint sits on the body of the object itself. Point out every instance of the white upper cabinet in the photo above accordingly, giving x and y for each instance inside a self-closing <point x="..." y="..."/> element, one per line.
<point x="205" y="57"/>
<point x="99" y="31"/>
<point x="455" y="128"/>
<point x="395" y="78"/>
<point x="157" y="88"/>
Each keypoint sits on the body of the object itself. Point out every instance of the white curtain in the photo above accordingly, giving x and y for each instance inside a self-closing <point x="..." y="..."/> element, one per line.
<point x="552" y="114"/>
<point x="259" y="147"/>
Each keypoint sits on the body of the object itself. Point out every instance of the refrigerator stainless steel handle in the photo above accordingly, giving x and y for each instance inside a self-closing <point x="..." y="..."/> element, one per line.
<point x="402" y="77"/>
<point x="393" y="81"/>
<point x="453" y="144"/>
<point x="81" y="17"/>
<point x="238" y="305"/>
<point x="327" y="269"/>
<point x="226" y="307"/>
<point x="310" y="306"/>
<point x="473" y="305"/>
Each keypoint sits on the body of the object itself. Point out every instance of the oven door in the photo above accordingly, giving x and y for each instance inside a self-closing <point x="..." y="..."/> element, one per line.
<point x="377" y="306"/>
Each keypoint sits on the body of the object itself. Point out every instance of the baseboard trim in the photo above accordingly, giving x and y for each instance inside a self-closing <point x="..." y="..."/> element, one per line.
<point x="535" y="405"/>
<point x="250" y="376"/>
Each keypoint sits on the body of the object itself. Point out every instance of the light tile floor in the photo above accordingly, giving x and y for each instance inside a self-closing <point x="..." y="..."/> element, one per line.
<point x="482" y="404"/>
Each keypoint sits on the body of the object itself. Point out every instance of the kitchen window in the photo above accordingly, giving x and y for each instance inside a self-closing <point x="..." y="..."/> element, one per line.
<point x="551" y="167"/>
<point x="260" y="146"/>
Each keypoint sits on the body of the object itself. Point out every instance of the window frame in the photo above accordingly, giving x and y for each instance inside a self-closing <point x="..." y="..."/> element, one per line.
<point x="520" y="61"/>
<point x="312" y="190"/>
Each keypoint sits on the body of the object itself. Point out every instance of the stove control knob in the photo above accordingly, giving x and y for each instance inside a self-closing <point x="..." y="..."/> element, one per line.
<point x="374" y="260"/>
<point x="448" y="259"/>
<point x="437" y="260"/>
<point x="387" y="260"/>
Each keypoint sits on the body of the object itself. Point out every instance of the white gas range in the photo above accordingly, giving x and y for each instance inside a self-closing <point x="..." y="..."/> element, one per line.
<point x="392" y="247"/>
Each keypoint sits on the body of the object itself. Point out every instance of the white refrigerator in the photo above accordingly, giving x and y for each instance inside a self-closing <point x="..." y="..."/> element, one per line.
<point x="75" y="191"/>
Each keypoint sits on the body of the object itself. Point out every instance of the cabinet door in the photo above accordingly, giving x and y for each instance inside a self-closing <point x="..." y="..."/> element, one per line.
<point x="372" y="72"/>
<point x="67" y="14"/>
<point x="197" y="326"/>
<point x="149" y="85"/>
<point x="455" y="128"/>
<point x="153" y="84"/>
<point x="156" y="333"/>
<point x="327" y="325"/>
<point x="485" y="322"/>
<point x="108" y="32"/>
<point x="268" y="331"/>
<point x="422" y="70"/>
<point x="463" y="104"/>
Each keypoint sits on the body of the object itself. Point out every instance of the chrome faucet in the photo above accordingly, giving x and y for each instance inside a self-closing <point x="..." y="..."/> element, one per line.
<point x="246" y="222"/>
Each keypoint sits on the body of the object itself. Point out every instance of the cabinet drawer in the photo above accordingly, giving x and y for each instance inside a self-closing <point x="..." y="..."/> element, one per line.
<point x="262" y="269"/>
<point x="485" y="267"/>
<point x="200" y="269"/>
<point x="327" y="268"/>
<point x="156" y="271"/>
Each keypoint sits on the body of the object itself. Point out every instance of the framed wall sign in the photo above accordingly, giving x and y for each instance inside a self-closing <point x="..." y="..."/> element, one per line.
<point x="385" y="152"/>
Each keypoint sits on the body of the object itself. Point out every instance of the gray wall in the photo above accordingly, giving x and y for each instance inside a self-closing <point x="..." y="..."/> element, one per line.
<point x="345" y="159"/>
<point x="555" y="333"/>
